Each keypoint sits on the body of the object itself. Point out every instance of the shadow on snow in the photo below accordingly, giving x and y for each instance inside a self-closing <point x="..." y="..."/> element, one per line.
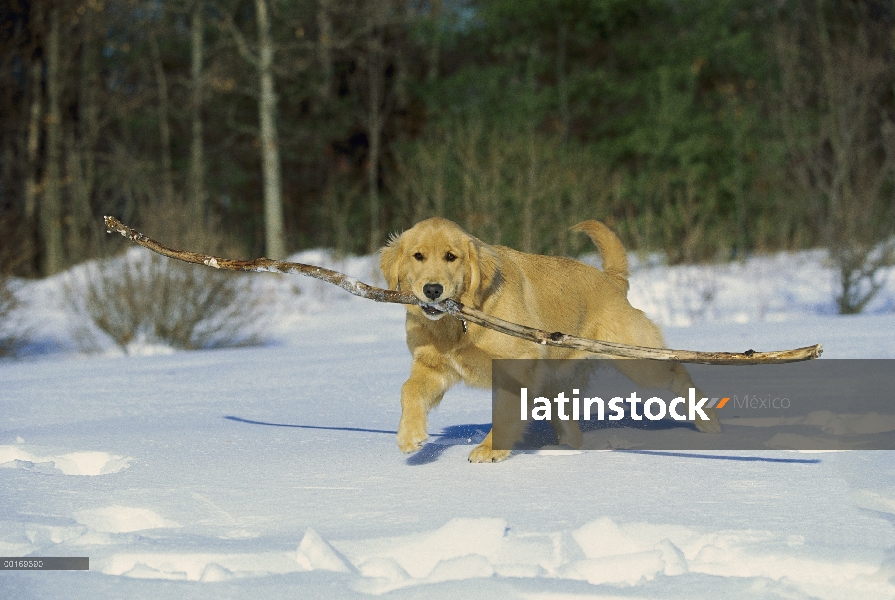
<point x="472" y="434"/>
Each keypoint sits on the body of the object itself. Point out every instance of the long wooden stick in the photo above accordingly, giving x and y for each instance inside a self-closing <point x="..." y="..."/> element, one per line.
<point x="466" y="313"/>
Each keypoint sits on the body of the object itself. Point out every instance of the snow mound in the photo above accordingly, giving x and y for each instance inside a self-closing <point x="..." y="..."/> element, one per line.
<point x="207" y="567"/>
<point x="122" y="519"/>
<point x="602" y="551"/>
<point x="625" y="554"/>
<point x="315" y="553"/>
<point x="461" y="549"/>
<point x="71" y="463"/>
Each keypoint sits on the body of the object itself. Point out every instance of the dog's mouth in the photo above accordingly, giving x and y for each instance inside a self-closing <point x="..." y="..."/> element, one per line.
<point x="432" y="311"/>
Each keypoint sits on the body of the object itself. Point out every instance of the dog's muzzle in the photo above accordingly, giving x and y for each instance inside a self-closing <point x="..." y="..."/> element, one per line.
<point x="432" y="311"/>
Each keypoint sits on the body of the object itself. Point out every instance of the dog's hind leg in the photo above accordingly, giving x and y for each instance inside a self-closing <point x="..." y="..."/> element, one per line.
<point x="669" y="376"/>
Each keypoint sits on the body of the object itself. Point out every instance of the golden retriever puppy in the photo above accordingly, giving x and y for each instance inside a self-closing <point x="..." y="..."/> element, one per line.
<point x="436" y="260"/>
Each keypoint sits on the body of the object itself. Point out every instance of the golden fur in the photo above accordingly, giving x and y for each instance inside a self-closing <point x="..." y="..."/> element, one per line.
<point x="546" y="292"/>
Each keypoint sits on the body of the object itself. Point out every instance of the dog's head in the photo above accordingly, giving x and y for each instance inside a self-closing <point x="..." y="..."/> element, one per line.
<point x="436" y="260"/>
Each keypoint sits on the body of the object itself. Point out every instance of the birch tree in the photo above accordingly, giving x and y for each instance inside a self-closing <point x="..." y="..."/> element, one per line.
<point x="263" y="61"/>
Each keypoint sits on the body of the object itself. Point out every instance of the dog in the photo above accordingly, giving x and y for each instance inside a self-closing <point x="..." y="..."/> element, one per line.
<point x="436" y="260"/>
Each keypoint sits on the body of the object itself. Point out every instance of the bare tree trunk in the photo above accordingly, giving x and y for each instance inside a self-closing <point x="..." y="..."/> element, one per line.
<point x="164" y="129"/>
<point x="51" y="199"/>
<point x="88" y="92"/>
<point x="562" y="79"/>
<point x="528" y="198"/>
<point x="434" y="51"/>
<point x="33" y="146"/>
<point x="374" y="131"/>
<point x="739" y="195"/>
<point x="374" y="126"/>
<point x="82" y="142"/>
<point x="76" y="241"/>
<point x="531" y="176"/>
<point x="325" y="48"/>
<point x="196" y="185"/>
<point x="275" y="233"/>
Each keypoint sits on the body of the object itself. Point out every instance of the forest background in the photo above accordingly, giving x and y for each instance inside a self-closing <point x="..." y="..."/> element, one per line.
<point x="701" y="129"/>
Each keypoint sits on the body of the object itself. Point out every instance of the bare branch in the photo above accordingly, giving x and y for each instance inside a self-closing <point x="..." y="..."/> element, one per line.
<point x="241" y="43"/>
<point x="466" y="313"/>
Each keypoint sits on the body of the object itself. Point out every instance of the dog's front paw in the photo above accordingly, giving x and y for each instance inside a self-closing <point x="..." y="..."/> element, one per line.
<point x="713" y="425"/>
<point x="486" y="454"/>
<point x="410" y="441"/>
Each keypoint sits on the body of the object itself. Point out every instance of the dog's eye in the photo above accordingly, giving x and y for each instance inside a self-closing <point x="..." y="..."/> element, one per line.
<point x="450" y="257"/>
<point x="419" y="256"/>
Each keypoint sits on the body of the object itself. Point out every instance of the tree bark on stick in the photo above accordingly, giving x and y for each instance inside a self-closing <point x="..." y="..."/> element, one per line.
<point x="466" y="313"/>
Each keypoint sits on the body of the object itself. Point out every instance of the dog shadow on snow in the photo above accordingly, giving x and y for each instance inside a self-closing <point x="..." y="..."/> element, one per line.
<point x="455" y="435"/>
<point x="538" y="435"/>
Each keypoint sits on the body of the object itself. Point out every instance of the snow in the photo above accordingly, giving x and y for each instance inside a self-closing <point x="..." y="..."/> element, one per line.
<point x="72" y="463"/>
<point x="273" y="471"/>
<point x="122" y="519"/>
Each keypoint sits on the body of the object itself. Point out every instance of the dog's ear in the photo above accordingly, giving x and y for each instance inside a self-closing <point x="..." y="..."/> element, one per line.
<point x="390" y="260"/>
<point x="484" y="271"/>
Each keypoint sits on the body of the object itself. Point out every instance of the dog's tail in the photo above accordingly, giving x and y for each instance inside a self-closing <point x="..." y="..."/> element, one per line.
<point x="615" y="259"/>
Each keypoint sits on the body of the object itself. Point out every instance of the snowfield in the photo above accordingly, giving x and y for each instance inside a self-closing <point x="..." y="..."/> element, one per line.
<point x="273" y="472"/>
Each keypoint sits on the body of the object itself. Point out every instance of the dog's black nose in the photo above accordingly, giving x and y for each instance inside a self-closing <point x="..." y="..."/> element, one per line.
<point x="433" y="290"/>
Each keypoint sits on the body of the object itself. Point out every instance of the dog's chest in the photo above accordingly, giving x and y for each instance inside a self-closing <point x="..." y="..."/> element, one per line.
<point x="472" y="367"/>
<point x="460" y="367"/>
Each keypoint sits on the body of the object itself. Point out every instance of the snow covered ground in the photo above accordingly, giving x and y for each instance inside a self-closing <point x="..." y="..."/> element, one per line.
<point x="273" y="472"/>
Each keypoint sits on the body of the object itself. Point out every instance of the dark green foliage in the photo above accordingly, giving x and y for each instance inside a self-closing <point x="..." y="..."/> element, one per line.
<point x="669" y="98"/>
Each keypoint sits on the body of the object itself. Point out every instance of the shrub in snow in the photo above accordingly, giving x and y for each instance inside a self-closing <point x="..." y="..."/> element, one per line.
<point x="862" y="271"/>
<point x="141" y="298"/>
